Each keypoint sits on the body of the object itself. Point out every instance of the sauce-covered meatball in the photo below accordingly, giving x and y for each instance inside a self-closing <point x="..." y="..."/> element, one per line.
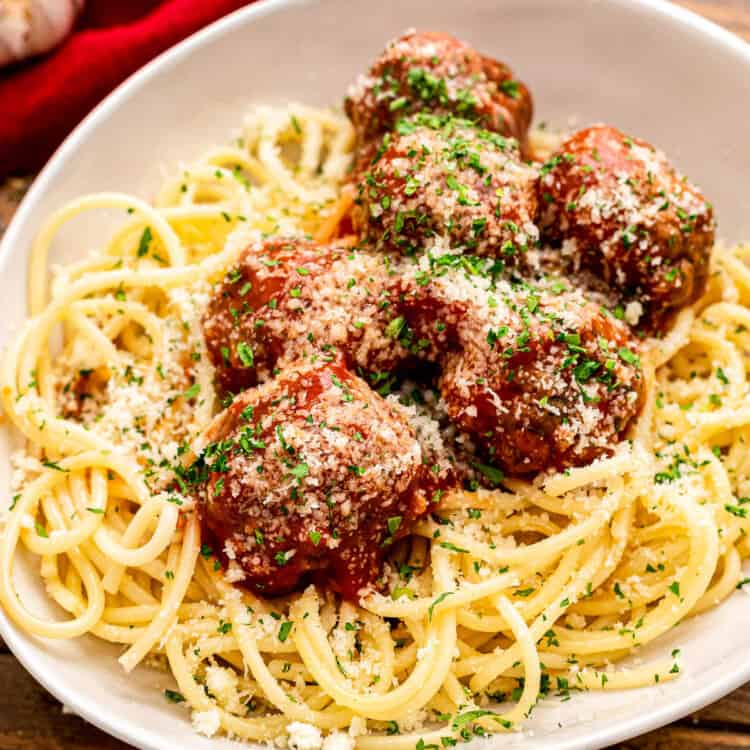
<point x="289" y="299"/>
<point x="619" y="207"/>
<point x="441" y="180"/>
<point x="538" y="375"/>
<point x="310" y="475"/>
<point x="434" y="72"/>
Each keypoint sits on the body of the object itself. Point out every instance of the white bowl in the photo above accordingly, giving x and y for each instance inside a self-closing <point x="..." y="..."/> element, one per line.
<point x="649" y="67"/>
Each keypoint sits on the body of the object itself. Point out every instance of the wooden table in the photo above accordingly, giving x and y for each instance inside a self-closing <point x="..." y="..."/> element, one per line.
<point x="31" y="719"/>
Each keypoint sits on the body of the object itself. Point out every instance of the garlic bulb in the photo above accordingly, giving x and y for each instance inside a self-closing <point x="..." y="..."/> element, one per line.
<point x="30" y="27"/>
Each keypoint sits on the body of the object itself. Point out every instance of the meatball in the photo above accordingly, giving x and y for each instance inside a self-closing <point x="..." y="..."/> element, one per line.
<point x="443" y="181"/>
<point x="289" y="299"/>
<point x="311" y="475"/>
<point x="619" y="208"/>
<point x="431" y="71"/>
<point x="538" y="375"/>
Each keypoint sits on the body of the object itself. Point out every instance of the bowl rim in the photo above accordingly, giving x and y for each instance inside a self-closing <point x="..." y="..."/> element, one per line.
<point x="117" y="724"/>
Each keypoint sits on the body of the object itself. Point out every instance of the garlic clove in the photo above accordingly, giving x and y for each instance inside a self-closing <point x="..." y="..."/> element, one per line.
<point x="30" y="27"/>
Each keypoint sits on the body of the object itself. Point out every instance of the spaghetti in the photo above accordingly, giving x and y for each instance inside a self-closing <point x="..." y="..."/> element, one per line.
<point x="498" y="598"/>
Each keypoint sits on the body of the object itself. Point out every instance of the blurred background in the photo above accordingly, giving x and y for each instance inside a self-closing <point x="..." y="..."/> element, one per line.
<point x="59" y="58"/>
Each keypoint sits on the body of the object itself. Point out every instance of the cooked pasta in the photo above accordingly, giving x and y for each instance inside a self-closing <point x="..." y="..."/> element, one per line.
<point x="498" y="597"/>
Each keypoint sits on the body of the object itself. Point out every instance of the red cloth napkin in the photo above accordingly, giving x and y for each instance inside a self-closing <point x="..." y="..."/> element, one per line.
<point x="42" y="100"/>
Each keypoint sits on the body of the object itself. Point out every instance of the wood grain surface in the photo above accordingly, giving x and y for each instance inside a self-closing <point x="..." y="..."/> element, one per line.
<point x="30" y="719"/>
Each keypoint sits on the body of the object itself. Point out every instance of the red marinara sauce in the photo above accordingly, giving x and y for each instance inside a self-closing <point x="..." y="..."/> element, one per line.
<point x="311" y="476"/>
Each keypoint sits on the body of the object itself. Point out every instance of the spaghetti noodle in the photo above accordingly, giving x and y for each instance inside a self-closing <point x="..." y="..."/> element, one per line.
<point x="498" y="598"/>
